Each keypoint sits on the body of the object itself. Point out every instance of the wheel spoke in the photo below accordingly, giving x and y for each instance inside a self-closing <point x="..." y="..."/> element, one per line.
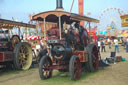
<point x="26" y="58"/>
<point x="76" y="69"/>
<point x="46" y="74"/>
<point x="26" y="54"/>
<point x="75" y="72"/>
<point x="26" y="51"/>
<point x="95" y="59"/>
<point x="21" y="64"/>
<point x="20" y="55"/>
<point x="21" y="51"/>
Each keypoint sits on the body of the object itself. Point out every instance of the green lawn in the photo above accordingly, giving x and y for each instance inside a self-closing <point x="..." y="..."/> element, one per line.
<point x="59" y="80"/>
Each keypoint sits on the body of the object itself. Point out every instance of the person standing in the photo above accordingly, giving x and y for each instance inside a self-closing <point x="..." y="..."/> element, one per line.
<point x="116" y="45"/>
<point x="99" y="44"/>
<point x="127" y="45"/>
<point x="109" y="43"/>
<point x="102" y="46"/>
<point x="41" y="44"/>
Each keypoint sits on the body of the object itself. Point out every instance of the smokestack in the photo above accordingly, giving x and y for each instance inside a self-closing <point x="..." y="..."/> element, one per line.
<point x="59" y="5"/>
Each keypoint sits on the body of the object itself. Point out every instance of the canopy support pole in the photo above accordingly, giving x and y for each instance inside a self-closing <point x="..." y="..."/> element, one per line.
<point x="44" y="29"/>
<point x="89" y="27"/>
<point x="19" y="31"/>
<point x="60" y="26"/>
<point x="9" y="35"/>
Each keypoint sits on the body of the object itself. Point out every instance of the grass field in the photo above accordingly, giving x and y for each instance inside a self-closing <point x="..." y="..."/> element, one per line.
<point x="56" y="79"/>
<point x="115" y="74"/>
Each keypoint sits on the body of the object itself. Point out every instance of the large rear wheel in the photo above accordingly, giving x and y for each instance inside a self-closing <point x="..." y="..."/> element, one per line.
<point x="22" y="56"/>
<point x="93" y="58"/>
<point x="44" y="70"/>
<point x="75" y="68"/>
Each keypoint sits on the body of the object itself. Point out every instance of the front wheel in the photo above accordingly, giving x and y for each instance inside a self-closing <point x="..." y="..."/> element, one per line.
<point x="75" y="68"/>
<point x="44" y="67"/>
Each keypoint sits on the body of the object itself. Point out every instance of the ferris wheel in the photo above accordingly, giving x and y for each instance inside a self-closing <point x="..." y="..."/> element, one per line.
<point x="118" y="10"/>
<point x="110" y="18"/>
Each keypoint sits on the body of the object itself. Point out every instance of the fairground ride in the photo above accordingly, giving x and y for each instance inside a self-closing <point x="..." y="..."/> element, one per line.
<point x="110" y="20"/>
<point x="124" y="19"/>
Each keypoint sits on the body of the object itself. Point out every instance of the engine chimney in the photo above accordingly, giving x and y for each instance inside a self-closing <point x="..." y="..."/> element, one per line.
<point x="59" y="5"/>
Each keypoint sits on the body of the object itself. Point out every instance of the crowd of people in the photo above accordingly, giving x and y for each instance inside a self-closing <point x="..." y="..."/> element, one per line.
<point x="102" y="47"/>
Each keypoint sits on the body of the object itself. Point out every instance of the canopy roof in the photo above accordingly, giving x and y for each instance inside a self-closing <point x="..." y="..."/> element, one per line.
<point x="8" y="24"/>
<point x="83" y="18"/>
<point x="52" y="16"/>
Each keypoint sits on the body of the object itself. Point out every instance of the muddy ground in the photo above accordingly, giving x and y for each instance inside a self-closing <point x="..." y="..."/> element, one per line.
<point x="115" y="74"/>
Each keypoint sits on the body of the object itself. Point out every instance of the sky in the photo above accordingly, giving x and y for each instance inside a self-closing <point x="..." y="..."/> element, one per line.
<point x="20" y="9"/>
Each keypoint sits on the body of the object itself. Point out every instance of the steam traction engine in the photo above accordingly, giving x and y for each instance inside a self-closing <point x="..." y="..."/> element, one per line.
<point x="12" y="50"/>
<point x="69" y="48"/>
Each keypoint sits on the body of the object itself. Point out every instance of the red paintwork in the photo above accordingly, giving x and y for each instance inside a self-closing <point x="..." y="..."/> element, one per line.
<point x="60" y="62"/>
<point x="81" y="8"/>
<point x="93" y="34"/>
<point x="53" y="31"/>
<point x="81" y="55"/>
<point x="1" y="57"/>
<point x="58" y="67"/>
<point x="77" y="69"/>
<point x="6" y="56"/>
